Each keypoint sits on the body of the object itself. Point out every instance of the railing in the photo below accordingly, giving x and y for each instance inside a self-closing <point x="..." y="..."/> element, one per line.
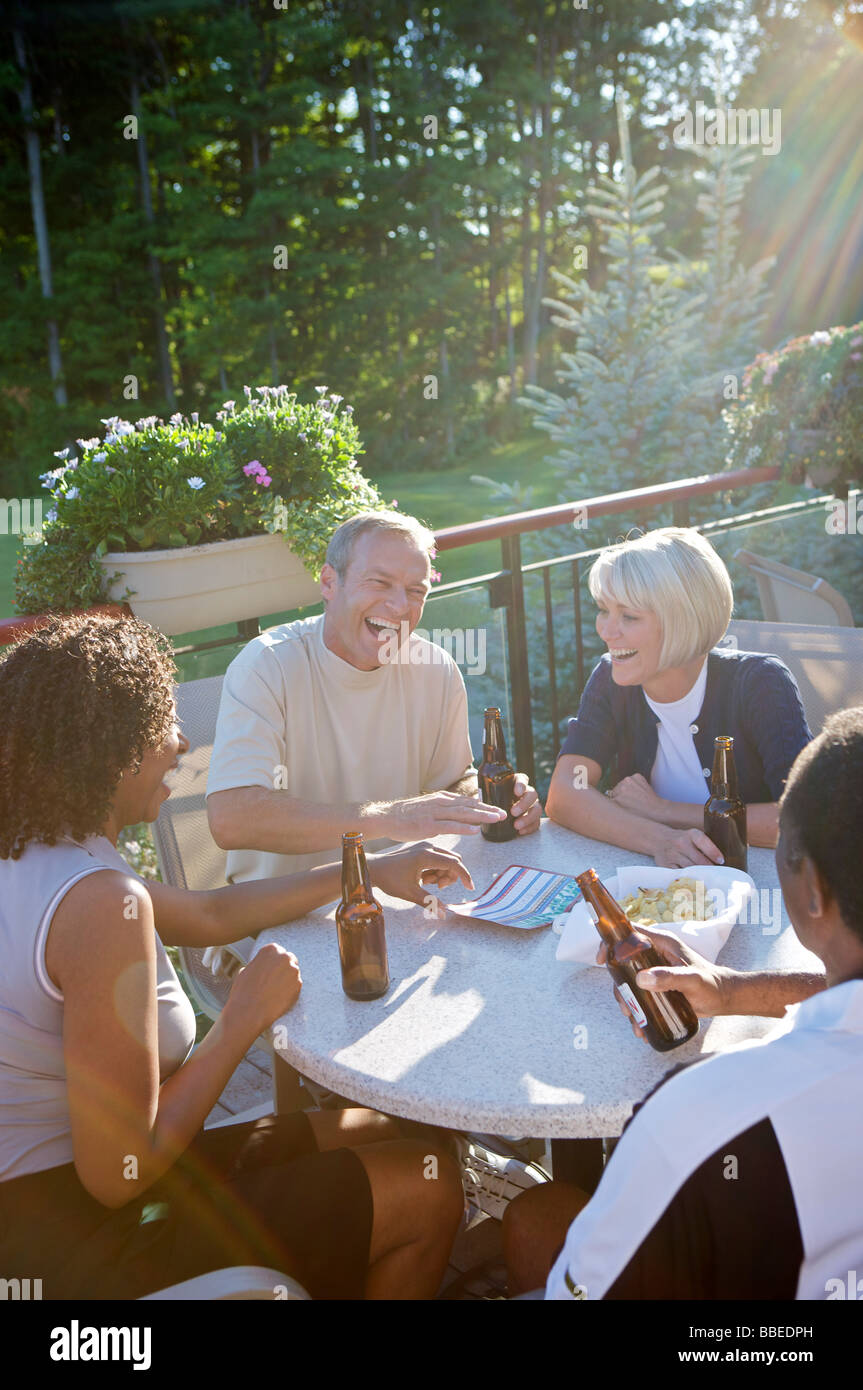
<point x="506" y="586"/>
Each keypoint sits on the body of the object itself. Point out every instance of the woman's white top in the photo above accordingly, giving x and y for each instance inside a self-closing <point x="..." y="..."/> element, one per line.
<point x="677" y="773"/>
<point x="34" y="1111"/>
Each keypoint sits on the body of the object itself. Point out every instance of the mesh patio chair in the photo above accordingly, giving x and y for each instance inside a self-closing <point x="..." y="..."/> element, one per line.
<point x="826" y="662"/>
<point x="190" y="858"/>
<point x="792" y="596"/>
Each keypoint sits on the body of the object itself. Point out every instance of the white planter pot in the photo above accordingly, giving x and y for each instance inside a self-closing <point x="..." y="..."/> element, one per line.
<point x="208" y="585"/>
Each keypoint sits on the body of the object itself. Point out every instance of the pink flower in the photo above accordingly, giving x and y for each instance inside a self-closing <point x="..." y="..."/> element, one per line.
<point x="436" y="576"/>
<point x="264" y="479"/>
<point x="856" y="357"/>
<point x="856" y="342"/>
<point x="253" y="467"/>
<point x="394" y="502"/>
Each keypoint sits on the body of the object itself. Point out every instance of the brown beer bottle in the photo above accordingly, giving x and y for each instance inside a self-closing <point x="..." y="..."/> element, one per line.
<point x="360" y="923"/>
<point x="496" y="777"/>
<point x="668" y="1019"/>
<point x="724" y="812"/>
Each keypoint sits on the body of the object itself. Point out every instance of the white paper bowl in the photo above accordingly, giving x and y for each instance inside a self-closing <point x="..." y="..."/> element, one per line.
<point x="729" y="888"/>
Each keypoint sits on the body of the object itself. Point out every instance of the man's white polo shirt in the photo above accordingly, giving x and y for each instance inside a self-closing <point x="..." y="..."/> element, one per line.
<point x="738" y="1178"/>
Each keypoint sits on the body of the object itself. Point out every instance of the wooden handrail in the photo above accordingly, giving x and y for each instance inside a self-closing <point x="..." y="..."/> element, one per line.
<point x="452" y="537"/>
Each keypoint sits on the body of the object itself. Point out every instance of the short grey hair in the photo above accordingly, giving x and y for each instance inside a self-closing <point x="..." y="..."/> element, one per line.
<point x="676" y="574"/>
<point x="341" y="547"/>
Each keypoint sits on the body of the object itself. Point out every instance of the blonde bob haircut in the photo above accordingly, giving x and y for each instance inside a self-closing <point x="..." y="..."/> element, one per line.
<point x="676" y="574"/>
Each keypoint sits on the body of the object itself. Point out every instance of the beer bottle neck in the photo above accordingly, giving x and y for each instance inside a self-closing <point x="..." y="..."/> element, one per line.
<point x="356" y="883"/>
<point x="493" y="745"/>
<point x="723" y="782"/>
<point x="612" y="922"/>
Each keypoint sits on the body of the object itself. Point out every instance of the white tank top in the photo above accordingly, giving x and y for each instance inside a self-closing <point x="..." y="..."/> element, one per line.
<point x="34" y="1112"/>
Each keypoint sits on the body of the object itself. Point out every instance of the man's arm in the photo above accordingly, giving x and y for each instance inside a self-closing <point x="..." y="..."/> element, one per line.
<point x="762" y="993"/>
<point x="275" y="823"/>
<point x="466" y="785"/>
<point x="717" y="989"/>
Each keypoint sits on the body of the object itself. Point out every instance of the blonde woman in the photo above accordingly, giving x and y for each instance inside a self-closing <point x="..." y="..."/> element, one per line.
<point x="657" y="699"/>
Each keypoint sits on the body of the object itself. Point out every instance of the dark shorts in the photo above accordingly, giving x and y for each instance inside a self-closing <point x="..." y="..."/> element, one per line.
<point x="258" y="1193"/>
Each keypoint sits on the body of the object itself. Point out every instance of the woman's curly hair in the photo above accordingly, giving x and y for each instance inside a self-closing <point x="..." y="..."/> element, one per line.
<point x="81" y="700"/>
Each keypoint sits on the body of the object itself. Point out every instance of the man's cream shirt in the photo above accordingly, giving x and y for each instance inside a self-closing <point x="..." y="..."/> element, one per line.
<point x="294" y="715"/>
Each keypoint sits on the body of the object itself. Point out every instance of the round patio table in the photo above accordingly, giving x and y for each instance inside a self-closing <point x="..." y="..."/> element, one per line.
<point x="482" y="1028"/>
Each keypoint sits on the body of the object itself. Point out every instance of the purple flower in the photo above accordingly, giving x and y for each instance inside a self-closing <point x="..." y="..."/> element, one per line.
<point x="264" y="479"/>
<point x="303" y="437"/>
<point x="253" y="467"/>
<point x="62" y="453"/>
<point x="856" y="357"/>
<point x="100" y="458"/>
<point x="72" y="494"/>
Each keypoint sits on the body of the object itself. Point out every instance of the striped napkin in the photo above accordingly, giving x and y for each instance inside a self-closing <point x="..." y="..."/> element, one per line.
<point x="522" y="897"/>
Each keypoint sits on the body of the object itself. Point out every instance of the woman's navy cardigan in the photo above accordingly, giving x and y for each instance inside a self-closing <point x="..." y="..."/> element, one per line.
<point x="749" y="695"/>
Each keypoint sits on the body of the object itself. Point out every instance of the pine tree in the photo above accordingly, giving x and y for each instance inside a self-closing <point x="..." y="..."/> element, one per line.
<point x="654" y="340"/>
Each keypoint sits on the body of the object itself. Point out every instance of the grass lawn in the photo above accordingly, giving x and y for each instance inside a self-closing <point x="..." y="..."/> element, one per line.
<point x="449" y="498"/>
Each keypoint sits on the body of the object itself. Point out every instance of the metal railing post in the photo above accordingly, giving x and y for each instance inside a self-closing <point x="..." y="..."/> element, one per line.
<point x="519" y="672"/>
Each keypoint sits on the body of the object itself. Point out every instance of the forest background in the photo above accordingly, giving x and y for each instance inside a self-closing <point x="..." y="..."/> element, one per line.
<point x="373" y="196"/>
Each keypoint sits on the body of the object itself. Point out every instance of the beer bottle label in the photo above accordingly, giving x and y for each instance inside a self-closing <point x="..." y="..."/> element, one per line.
<point x="633" y="1005"/>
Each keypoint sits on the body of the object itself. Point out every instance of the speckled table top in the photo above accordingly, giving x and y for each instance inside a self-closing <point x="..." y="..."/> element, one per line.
<point x="482" y="1028"/>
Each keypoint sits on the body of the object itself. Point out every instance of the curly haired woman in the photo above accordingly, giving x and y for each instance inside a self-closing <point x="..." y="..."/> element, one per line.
<point x="101" y="1096"/>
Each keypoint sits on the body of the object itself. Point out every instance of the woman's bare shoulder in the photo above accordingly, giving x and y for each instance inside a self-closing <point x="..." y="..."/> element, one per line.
<point x="103" y="923"/>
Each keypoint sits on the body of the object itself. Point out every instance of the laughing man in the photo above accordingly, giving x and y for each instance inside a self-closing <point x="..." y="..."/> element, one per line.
<point x="349" y="720"/>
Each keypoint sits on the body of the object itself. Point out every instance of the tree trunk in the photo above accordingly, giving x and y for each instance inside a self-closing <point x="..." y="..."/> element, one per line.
<point x="510" y="337"/>
<point x="493" y="280"/>
<point x="40" y="221"/>
<point x="163" y="352"/>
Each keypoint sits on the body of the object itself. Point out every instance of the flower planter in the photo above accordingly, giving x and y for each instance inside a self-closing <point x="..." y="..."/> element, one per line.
<point x="202" y="586"/>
